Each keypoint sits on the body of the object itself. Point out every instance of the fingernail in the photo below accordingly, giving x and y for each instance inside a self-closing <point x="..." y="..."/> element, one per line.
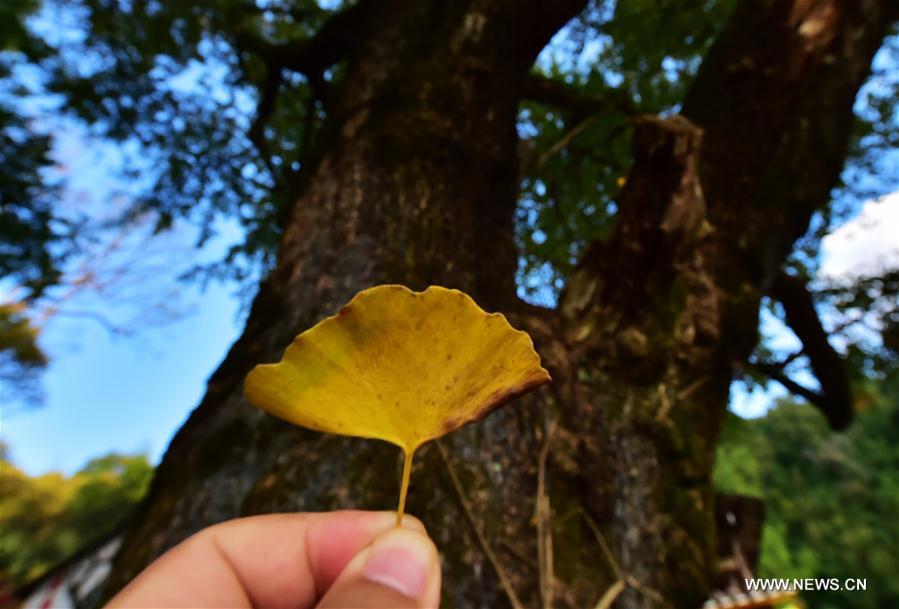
<point x="400" y="568"/>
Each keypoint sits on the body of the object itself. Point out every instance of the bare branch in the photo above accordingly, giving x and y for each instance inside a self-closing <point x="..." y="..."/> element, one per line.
<point x="835" y="398"/>
<point x="331" y="44"/>
<point x="295" y="13"/>
<point x="563" y="142"/>
<point x="268" y="97"/>
<point x="554" y="92"/>
<point x="791" y="358"/>
<point x="776" y="373"/>
<point x="107" y="324"/>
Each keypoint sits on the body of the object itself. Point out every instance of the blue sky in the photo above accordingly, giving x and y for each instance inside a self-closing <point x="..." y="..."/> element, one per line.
<point x="125" y="392"/>
<point x="106" y="393"/>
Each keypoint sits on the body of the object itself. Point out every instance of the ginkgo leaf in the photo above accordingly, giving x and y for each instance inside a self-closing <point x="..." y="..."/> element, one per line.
<point x="402" y="366"/>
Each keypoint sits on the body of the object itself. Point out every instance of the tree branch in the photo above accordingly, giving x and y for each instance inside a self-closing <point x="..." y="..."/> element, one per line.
<point x="776" y="372"/>
<point x="295" y="13"/>
<point x="554" y="92"/>
<point x="835" y="399"/>
<point x="268" y="97"/>
<point x="564" y="142"/>
<point x="109" y="325"/>
<point x="310" y="56"/>
<point x="778" y="118"/>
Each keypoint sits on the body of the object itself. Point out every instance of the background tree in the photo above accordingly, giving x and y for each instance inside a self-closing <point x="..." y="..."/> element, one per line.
<point x="827" y="496"/>
<point x="59" y="251"/>
<point x="661" y="174"/>
<point x="30" y="233"/>
<point x="46" y="519"/>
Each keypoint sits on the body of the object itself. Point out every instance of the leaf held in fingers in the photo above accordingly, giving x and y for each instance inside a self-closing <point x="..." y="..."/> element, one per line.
<point x="400" y="366"/>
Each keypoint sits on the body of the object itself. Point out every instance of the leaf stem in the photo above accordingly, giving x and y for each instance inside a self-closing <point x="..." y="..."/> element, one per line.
<point x="404" y="486"/>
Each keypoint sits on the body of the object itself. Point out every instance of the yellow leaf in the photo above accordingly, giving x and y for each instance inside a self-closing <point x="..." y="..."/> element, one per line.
<point x="402" y="366"/>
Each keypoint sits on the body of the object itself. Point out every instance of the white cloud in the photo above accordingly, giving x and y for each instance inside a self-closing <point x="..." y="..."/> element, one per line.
<point x="866" y="245"/>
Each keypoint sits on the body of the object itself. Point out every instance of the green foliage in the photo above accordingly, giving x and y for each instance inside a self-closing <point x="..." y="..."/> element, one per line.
<point x="631" y="57"/>
<point x="34" y="240"/>
<point x="871" y="306"/>
<point x="28" y="227"/>
<point x="46" y="519"/>
<point x="215" y="123"/>
<point x="18" y="336"/>
<point x="31" y="233"/>
<point x="831" y="499"/>
<point x="180" y="83"/>
<point x="20" y="356"/>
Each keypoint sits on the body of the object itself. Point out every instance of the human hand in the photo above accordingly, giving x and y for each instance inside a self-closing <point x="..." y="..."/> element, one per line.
<point x="343" y="560"/>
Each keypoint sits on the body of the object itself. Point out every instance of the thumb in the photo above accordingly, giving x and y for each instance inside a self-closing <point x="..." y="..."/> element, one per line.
<point x="399" y="569"/>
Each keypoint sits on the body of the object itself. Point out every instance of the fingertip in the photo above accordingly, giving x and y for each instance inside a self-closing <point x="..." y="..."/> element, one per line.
<point x="412" y="523"/>
<point x="385" y="520"/>
<point x="401" y="568"/>
<point x="403" y="560"/>
<point x="376" y="521"/>
<point x="334" y="538"/>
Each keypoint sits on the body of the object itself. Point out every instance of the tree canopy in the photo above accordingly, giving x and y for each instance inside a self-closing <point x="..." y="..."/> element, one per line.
<point x="46" y="519"/>
<point x="217" y="108"/>
<point x="830" y="499"/>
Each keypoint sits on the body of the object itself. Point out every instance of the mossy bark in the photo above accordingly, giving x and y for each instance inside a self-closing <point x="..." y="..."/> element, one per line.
<point x="416" y="183"/>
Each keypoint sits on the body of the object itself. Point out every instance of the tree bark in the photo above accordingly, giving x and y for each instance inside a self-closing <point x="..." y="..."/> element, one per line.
<point x="416" y="183"/>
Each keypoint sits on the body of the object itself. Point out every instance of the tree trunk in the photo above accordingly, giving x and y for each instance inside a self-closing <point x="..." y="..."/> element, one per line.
<point x="416" y="183"/>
